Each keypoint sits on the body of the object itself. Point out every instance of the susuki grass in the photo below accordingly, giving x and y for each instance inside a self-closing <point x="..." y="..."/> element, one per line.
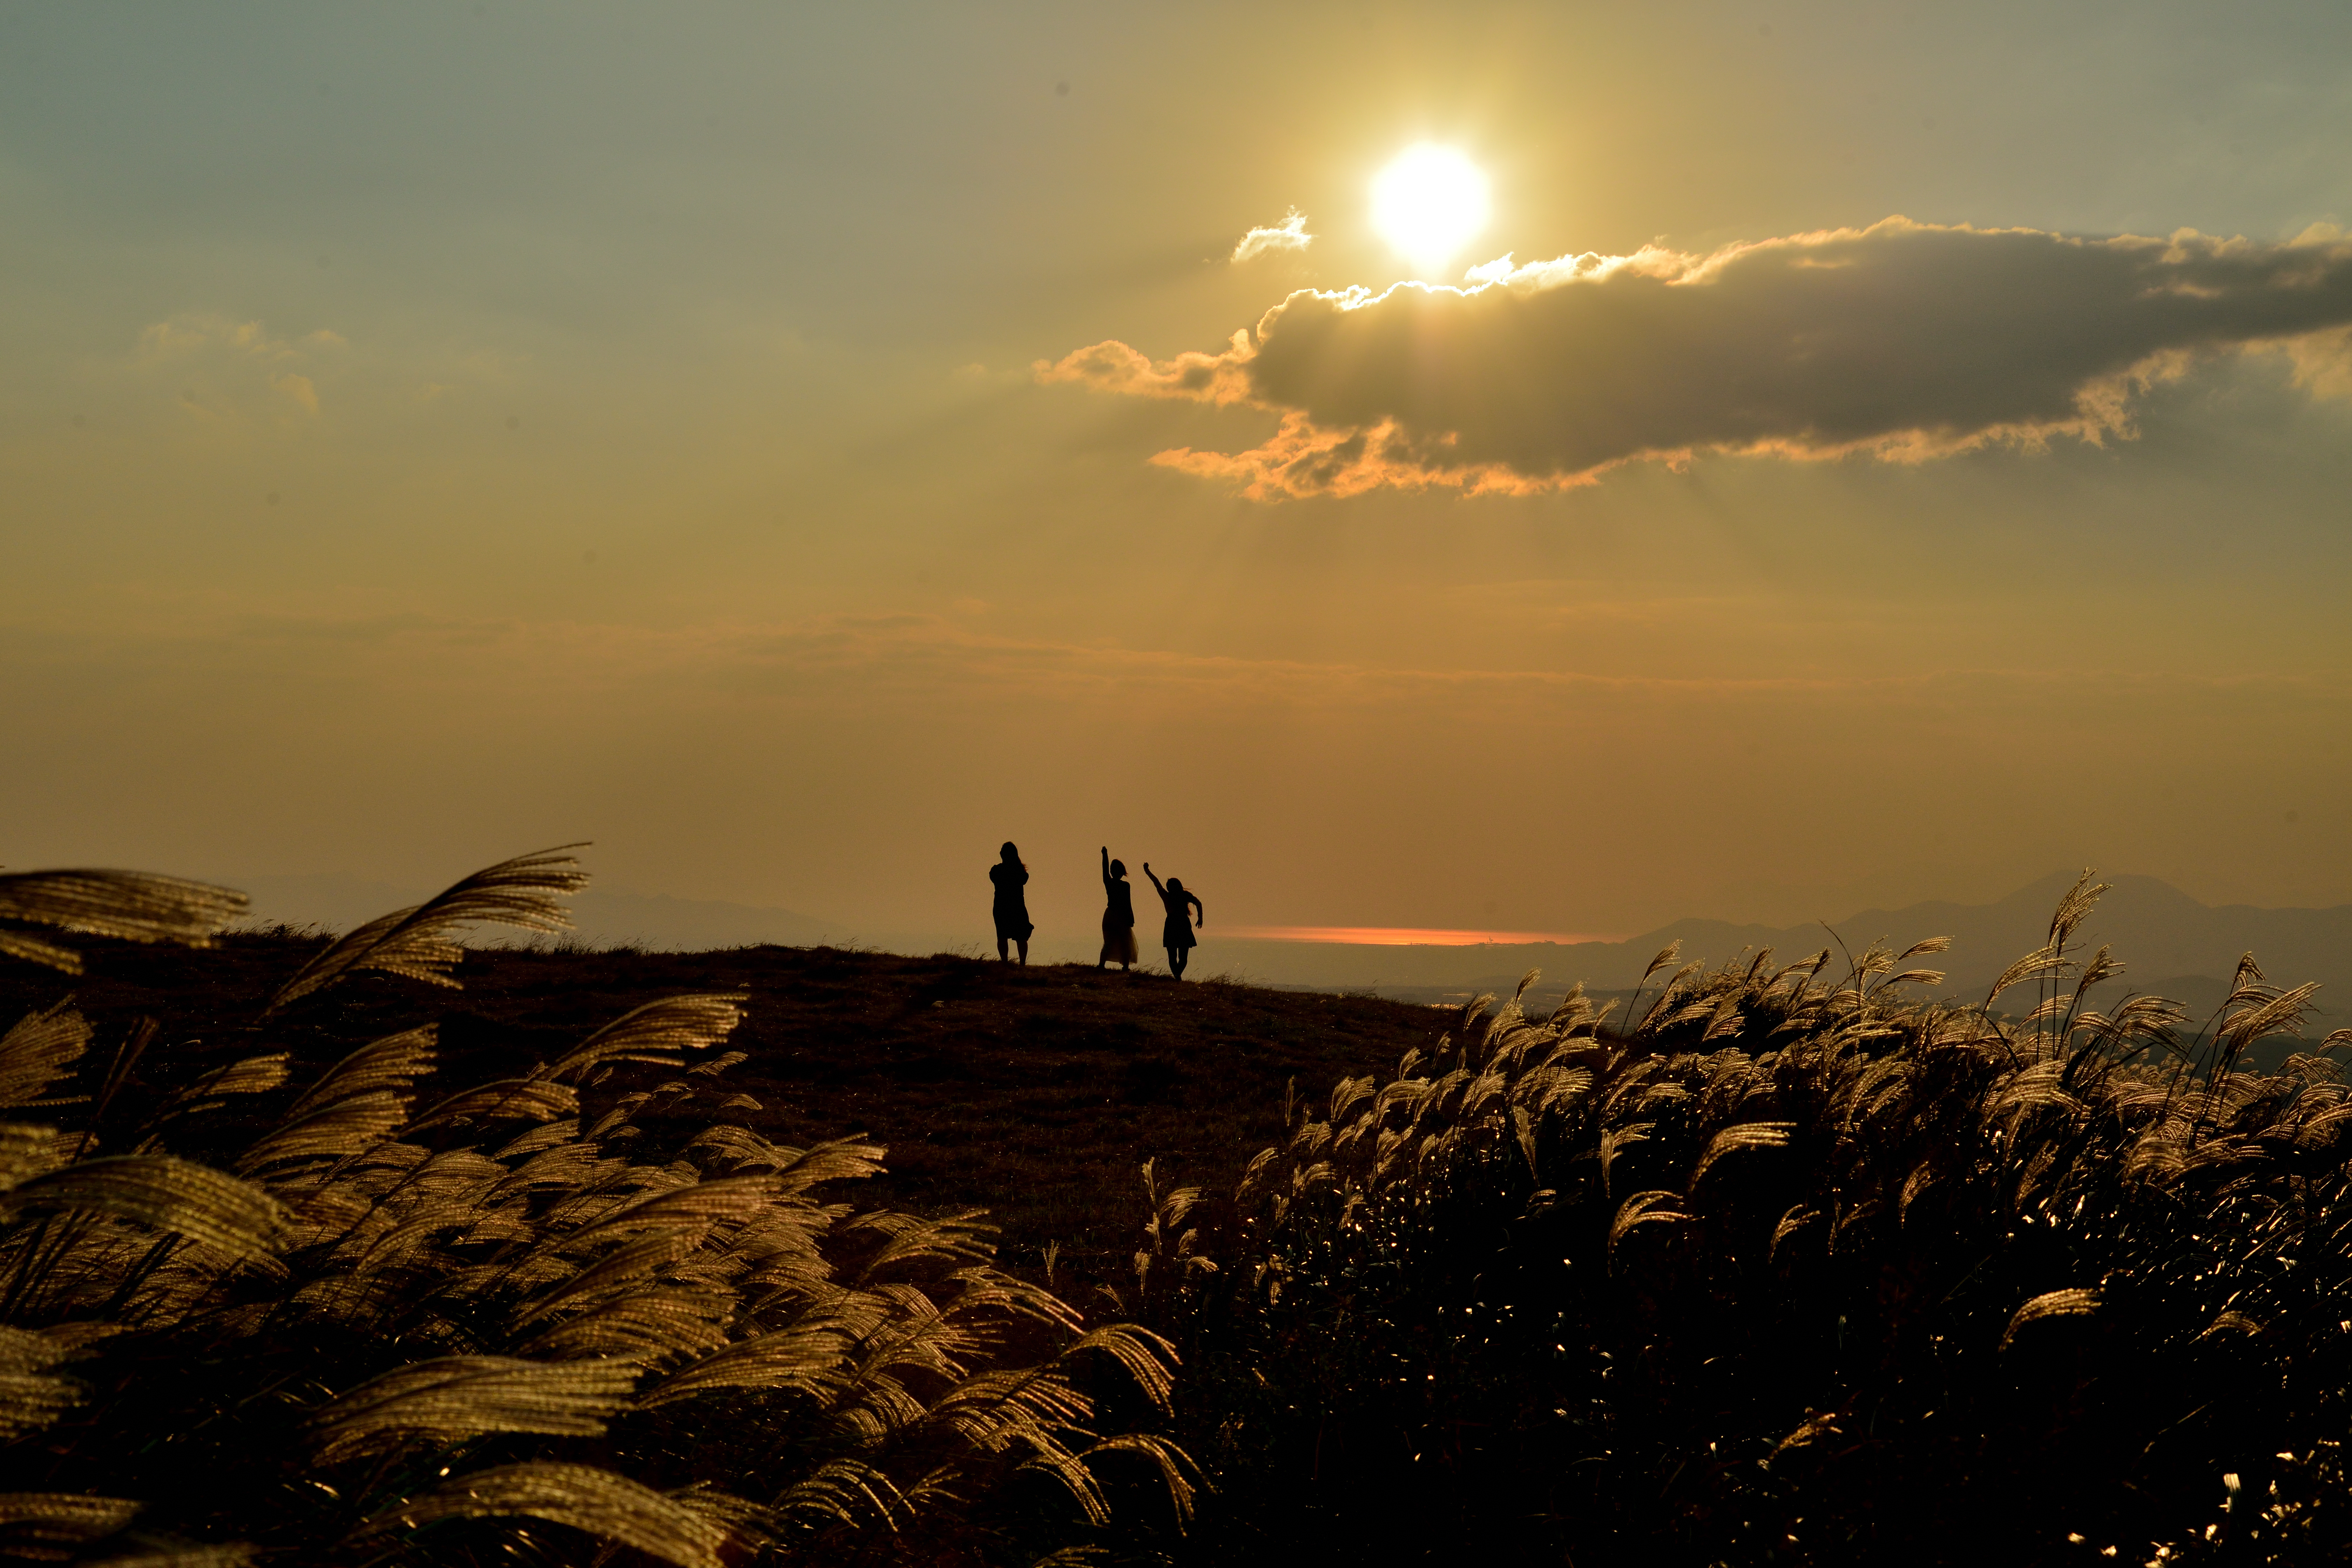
<point x="1791" y="1266"/>
<point x="283" y="1294"/>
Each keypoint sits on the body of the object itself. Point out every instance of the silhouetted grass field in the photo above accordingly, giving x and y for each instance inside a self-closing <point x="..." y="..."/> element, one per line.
<point x="306" y="1255"/>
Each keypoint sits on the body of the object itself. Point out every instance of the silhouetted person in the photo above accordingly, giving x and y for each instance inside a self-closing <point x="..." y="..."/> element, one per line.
<point x="1119" y="914"/>
<point x="1177" y="934"/>
<point x="1012" y="907"/>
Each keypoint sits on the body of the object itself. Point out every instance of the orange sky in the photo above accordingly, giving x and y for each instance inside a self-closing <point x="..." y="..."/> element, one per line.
<point x="434" y="433"/>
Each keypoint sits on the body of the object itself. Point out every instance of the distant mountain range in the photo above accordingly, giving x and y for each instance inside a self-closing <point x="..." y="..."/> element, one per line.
<point x="2171" y="944"/>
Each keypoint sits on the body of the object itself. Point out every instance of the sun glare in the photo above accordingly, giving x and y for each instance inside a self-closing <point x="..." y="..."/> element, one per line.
<point x="1429" y="203"/>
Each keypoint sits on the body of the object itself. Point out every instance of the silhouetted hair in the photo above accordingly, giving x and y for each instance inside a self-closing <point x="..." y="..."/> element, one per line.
<point x="1118" y="867"/>
<point x="1009" y="854"/>
<point x="1175" y="884"/>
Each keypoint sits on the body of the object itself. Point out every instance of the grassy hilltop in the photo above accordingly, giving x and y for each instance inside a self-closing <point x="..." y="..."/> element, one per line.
<point x="1035" y="1093"/>
<point x="305" y="1256"/>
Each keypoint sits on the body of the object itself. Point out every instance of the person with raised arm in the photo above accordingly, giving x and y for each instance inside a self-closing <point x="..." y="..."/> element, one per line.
<point x="1012" y="905"/>
<point x="1176" y="935"/>
<point x="1119" y="914"/>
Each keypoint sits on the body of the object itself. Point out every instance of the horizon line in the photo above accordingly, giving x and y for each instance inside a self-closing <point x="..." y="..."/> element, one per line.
<point x="1410" y="936"/>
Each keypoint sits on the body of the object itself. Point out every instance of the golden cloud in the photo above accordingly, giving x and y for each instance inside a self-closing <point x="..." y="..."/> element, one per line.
<point x="1903" y="340"/>
<point x="1290" y="233"/>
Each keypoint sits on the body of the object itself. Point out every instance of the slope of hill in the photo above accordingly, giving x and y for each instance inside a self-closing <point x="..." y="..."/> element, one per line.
<point x="1035" y="1094"/>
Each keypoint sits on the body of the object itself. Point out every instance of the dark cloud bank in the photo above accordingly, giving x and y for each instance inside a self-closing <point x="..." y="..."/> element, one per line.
<point x="1905" y="340"/>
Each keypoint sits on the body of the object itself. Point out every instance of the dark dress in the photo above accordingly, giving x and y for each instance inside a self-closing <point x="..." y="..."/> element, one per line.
<point x="1118" y="921"/>
<point x="1178" y="931"/>
<point x="1011" y="910"/>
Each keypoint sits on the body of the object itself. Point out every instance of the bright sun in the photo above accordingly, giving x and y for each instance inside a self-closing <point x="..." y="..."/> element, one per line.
<point x="1429" y="203"/>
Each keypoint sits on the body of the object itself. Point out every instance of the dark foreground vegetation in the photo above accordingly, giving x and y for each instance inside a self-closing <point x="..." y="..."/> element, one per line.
<point x="1786" y="1265"/>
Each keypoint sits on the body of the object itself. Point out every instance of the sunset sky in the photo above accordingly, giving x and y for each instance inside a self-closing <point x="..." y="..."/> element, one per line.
<point x="800" y="447"/>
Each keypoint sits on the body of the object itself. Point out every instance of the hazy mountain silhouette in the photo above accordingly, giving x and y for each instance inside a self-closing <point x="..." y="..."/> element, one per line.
<point x="2154" y="926"/>
<point x="2171" y="944"/>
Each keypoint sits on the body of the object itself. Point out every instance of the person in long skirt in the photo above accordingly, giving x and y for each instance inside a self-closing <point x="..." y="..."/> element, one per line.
<point x="1012" y="907"/>
<point x="1176" y="935"/>
<point x="1119" y="914"/>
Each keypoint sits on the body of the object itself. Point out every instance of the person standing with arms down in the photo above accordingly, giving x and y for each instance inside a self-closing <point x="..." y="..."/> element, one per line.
<point x="1012" y="905"/>
<point x="1177" y="934"/>
<point x="1119" y="914"/>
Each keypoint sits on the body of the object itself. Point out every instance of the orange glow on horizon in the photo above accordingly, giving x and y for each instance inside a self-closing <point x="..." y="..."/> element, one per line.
<point x="1408" y="936"/>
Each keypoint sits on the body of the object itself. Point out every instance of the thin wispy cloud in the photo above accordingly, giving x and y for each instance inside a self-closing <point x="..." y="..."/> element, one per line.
<point x="860" y="660"/>
<point x="1290" y="233"/>
<point x="1904" y="341"/>
<point x="233" y="370"/>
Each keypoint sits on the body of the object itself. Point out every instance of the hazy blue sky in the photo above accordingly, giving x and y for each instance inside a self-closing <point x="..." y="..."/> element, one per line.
<point x="432" y="432"/>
